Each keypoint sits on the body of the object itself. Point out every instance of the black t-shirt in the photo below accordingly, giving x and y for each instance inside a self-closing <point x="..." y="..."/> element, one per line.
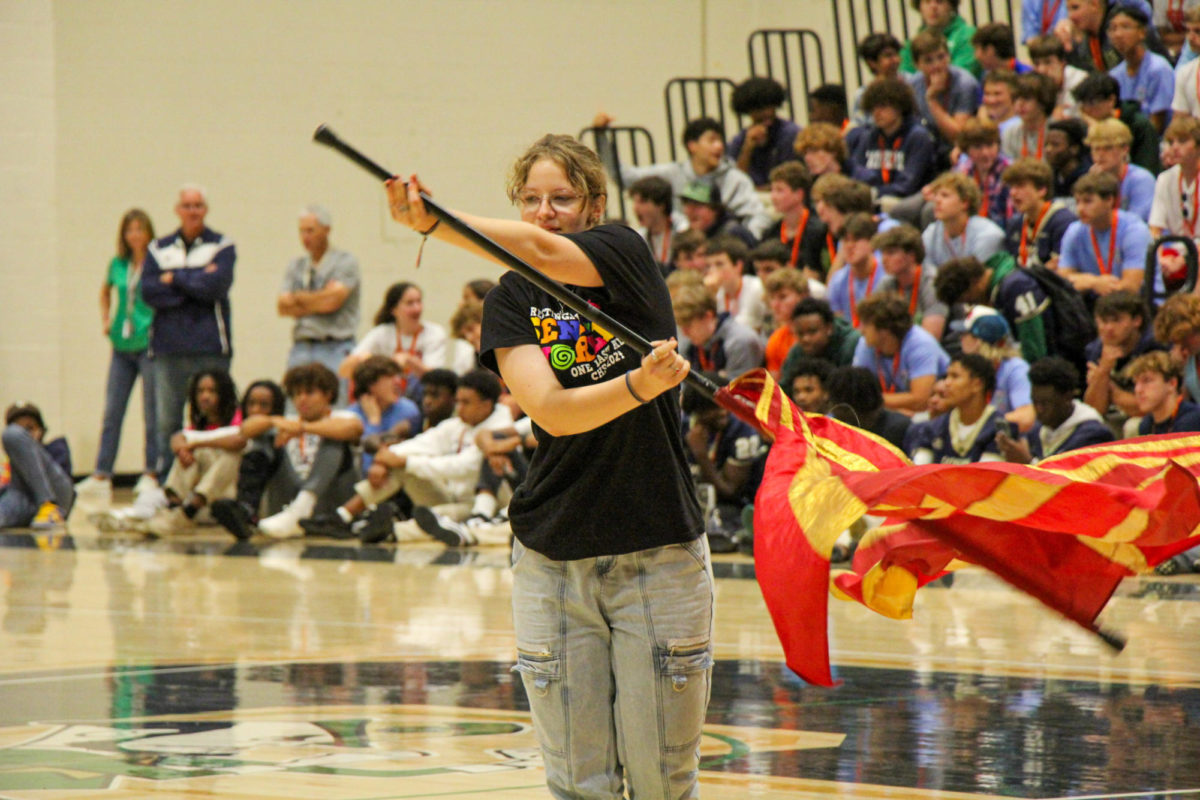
<point x="812" y="251"/>
<point x="624" y="486"/>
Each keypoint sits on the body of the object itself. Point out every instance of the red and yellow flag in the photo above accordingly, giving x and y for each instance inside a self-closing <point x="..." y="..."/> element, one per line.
<point x="1066" y="531"/>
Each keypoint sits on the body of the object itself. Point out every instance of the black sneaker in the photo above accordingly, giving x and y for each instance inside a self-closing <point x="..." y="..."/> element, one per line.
<point x="444" y="529"/>
<point x="331" y="526"/>
<point x="234" y="517"/>
<point x="379" y="523"/>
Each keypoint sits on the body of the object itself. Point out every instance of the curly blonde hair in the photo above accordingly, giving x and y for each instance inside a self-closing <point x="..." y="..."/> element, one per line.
<point x="579" y="163"/>
<point x="1178" y="318"/>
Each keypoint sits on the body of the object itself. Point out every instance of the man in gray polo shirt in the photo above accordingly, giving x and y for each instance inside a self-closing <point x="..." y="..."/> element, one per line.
<point x="320" y="289"/>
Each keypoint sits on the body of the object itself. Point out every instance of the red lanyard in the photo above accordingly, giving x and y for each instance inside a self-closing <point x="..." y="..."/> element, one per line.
<point x="912" y="301"/>
<point x="1041" y="141"/>
<point x="888" y="386"/>
<point x="1023" y="253"/>
<point x="1105" y="269"/>
<point x="799" y="234"/>
<point x="850" y="288"/>
<point x="888" y="160"/>
<point x="1097" y="52"/>
<point x="1175" y="15"/>
<point x="1189" y="221"/>
<point x="706" y="363"/>
<point x="1048" y="14"/>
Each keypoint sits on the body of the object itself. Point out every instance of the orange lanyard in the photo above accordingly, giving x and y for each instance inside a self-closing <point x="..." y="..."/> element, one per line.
<point x="1105" y="269"/>
<point x="706" y="363"/>
<point x="984" y="189"/>
<point x="886" y="161"/>
<point x="731" y="305"/>
<point x="887" y="386"/>
<point x="1189" y="221"/>
<point x="850" y="288"/>
<point x="412" y="351"/>
<point x="912" y="301"/>
<point x="829" y="243"/>
<point x="1041" y="141"/>
<point x="1023" y="253"/>
<point x="1048" y="15"/>
<point x="666" y="247"/>
<point x="799" y="234"/>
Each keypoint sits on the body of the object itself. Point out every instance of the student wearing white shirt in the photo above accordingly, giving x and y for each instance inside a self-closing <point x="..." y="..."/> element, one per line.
<point x="737" y="293"/>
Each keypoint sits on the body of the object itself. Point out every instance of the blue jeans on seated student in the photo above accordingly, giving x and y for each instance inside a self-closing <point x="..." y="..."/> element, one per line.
<point x="123" y="370"/>
<point x="36" y="478"/>
<point x="615" y="654"/>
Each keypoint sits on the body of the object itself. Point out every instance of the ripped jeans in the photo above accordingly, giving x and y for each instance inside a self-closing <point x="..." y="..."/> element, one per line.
<point x="615" y="654"/>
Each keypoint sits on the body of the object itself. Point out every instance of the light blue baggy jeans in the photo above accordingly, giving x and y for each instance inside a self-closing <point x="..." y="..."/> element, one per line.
<point x="616" y="657"/>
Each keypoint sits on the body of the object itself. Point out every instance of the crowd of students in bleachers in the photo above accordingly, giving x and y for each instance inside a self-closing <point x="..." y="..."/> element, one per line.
<point x="956" y="258"/>
<point x="953" y="259"/>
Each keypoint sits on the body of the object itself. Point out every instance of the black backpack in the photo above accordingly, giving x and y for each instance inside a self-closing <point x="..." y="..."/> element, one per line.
<point x="1072" y="327"/>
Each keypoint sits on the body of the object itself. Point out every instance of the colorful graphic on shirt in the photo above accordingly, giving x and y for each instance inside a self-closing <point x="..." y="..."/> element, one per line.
<point x="575" y="345"/>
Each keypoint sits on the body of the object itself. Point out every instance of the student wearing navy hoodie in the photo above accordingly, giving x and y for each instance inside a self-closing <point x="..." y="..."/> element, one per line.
<point x="895" y="155"/>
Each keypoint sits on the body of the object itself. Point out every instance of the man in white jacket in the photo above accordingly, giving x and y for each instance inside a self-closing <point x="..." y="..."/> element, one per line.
<point x="434" y="468"/>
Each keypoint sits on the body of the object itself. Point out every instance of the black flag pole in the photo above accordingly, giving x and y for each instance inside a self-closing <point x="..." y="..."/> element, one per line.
<point x="324" y="135"/>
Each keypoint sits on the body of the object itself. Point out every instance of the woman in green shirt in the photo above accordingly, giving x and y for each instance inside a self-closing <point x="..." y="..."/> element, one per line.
<point x="127" y="325"/>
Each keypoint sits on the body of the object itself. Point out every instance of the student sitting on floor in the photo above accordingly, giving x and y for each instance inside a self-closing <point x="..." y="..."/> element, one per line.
<point x="35" y="486"/>
<point x="205" y="464"/>
<point x="387" y="416"/>
<point x="307" y="459"/>
<point x="436" y="468"/>
<point x="506" y="454"/>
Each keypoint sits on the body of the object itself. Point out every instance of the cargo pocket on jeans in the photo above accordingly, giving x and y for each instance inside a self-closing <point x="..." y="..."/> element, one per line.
<point x="541" y="675"/>
<point x="684" y="670"/>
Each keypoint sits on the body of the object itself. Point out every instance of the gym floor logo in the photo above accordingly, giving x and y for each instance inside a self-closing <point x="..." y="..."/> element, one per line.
<point x="304" y="752"/>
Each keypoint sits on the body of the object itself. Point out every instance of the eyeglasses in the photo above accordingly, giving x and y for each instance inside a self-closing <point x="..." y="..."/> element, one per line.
<point x="560" y="201"/>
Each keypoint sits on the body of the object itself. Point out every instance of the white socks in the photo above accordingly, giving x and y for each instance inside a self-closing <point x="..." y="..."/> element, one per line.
<point x="485" y="505"/>
<point x="303" y="504"/>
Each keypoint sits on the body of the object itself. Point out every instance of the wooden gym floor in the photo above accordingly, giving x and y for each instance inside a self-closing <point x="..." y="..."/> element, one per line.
<point x="200" y="667"/>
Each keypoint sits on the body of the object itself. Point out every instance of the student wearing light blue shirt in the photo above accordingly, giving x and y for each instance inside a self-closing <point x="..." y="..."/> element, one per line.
<point x="1105" y="250"/>
<point x="1109" y="143"/>
<point x="905" y="357"/>
<point x="1144" y="77"/>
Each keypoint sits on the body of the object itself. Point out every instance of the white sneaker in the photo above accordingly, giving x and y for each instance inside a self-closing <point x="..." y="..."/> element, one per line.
<point x="169" y="521"/>
<point x="145" y="483"/>
<point x="146" y="504"/>
<point x="96" y="490"/>
<point x="284" y="525"/>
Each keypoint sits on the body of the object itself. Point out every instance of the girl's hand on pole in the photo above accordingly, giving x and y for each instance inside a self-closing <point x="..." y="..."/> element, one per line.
<point x="662" y="368"/>
<point x="406" y="206"/>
